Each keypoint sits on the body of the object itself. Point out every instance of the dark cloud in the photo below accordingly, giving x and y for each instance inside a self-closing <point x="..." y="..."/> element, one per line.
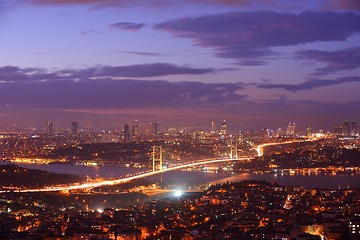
<point x="12" y="73"/>
<point x="310" y="84"/>
<point x="109" y="94"/>
<point x="128" y="26"/>
<point x="248" y="37"/>
<point x="341" y="60"/>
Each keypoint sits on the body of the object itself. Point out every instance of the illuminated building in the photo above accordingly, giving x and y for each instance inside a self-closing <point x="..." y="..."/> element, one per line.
<point x="354" y="129"/>
<point x="354" y="226"/>
<point x="126" y="133"/>
<point x="308" y="130"/>
<point x="136" y="129"/>
<point x="290" y="131"/>
<point x="339" y="130"/>
<point x="49" y="127"/>
<point x="155" y="126"/>
<point x="223" y="128"/>
<point x="213" y="126"/>
<point x="266" y="132"/>
<point x="74" y="127"/>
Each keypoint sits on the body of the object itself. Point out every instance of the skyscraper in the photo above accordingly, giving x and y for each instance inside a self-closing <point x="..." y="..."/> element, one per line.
<point x="309" y="130"/>
<point x="346" y="128"/>
<point x="213" y="126"/>
<point x="354" y="129"/>
<point x="74" y="128"/>
<point x="49" y="128"/>
<point x="126" y="133"/>
<point x="136" y="129"/>
<point x="290" y="131"/>
<point x="223" y="128"/>
<point x="155" y="126"/>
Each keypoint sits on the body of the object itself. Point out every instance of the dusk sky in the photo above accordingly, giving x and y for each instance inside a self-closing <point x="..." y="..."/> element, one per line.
<point x="255" y="63"/>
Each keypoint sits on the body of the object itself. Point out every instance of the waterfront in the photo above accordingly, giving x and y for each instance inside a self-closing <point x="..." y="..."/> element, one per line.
<point x="192" y="177"/>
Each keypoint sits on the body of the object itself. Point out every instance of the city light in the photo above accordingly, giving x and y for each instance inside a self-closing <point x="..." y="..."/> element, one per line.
<point x="178" y="193"/>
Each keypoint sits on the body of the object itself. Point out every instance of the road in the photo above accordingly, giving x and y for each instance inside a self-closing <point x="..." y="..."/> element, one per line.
<point x="260" y="149"/>
<point x="78" y="186"/>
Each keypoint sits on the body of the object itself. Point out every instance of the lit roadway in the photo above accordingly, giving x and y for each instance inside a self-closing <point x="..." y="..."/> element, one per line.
<point x="260" y="149"/>
<point x="78" y="186"/>
<point x="121" y="180"/>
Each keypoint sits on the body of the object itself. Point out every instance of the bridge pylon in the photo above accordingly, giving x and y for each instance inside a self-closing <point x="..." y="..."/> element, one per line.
<point x="234" y="150"/>
<point x="157" y="156"/>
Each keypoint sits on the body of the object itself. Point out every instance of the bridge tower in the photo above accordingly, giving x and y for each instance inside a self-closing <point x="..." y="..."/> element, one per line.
<point x="234" y="150"/>
<point x="157" y="157"/>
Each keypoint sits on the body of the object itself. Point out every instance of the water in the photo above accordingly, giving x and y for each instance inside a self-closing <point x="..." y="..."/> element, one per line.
<point x="186" y="177"/>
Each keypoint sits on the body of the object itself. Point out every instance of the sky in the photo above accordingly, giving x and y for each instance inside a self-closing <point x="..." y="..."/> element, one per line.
<point x="254" y="63"/>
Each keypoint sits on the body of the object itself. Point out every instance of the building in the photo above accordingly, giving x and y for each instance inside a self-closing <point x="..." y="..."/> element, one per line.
<point x="223" y="128"/>
<point x="346" y="128"/>
<point x="308" y="130"/>
<point x="213" y="126"/>
<point x="354" y="226"/>
<point x="155" y="127"/>
<point x="291" y="128"/>
<point x="353" y="129"/>
<point x="266" y="132"/>
<point x="74" y="127"/>
<point x="136" y="129"/>
<point x="126" y="133"/>
<point x="49" y="128"/>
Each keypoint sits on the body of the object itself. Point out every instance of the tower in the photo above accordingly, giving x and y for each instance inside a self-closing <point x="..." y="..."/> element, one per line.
<point x="136" y="129"/>
<point x="346" y="128"/>
<point x="155" y="128"/>
<point x="354" y="129"/>
<point x="126" y="133"/>
<point x="234" y="149"/>
<point x="213" y="126"/>
<point x="157" y="157"/>
<point x="49" y="128"/>
<point x="223" y="128"/>
<point x="74" y="127"/>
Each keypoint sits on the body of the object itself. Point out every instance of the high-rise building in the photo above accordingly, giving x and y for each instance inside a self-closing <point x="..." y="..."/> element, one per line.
<point x="49" y="128"/>
<point x="74" y="128"/>
<point x="136" y="129"/>
<point x="346" y="128"/>
<point x="339" y="130"/>
<point x="223" y="128"/>
<point x="353" y="129"/>
<point x="213" y="126"/>
<point x="290" y="131"/>
<point x="309" y="130"/>
<point x="155" y="127"/>
<point x="126" y="133"/>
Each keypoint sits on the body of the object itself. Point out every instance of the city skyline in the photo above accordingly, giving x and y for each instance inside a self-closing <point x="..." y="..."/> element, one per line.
<point x="255" y="64"/>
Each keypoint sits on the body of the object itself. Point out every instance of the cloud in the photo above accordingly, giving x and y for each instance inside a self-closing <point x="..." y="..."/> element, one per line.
<point x="310" y="84"/>
<point x="128" y="26"/>
<point x="107" y="93"/>
<point x="12" y="73"/>
<point x="149" y="54"/>
<point x="341" y="60"/>
<point x="273" y="4"/>
<point x="249" y="37"/>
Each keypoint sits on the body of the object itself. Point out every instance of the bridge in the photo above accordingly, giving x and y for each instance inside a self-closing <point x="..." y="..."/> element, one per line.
<point x="157" y="157"/>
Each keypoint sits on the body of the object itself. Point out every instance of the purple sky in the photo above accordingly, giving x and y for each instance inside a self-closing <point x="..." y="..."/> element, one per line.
<point x="255" y="63"/>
